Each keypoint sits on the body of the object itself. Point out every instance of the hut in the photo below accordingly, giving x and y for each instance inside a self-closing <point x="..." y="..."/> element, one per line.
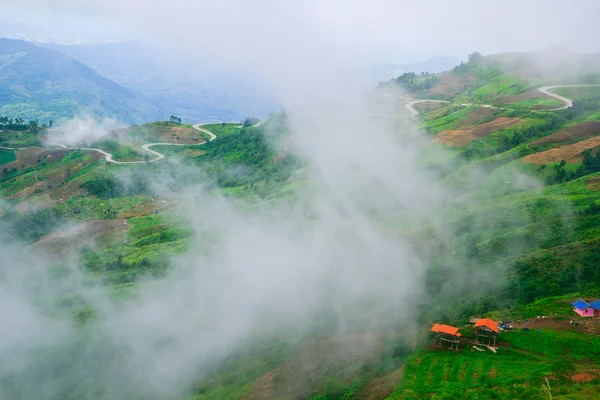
<point x="583" y="308"/>
<point x="596" y="306"/>
<point x="447" y="335"/>
<point x="486" y="331"/>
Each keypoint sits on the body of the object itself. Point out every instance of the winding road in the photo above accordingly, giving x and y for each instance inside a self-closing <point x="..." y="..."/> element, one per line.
<point x="568" y="102"/>
<point x="545" y="90"/>
<point x="146" y="147"/>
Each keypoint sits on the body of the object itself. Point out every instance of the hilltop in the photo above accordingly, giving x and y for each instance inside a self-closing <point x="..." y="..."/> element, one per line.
<point x="505" y="79"/>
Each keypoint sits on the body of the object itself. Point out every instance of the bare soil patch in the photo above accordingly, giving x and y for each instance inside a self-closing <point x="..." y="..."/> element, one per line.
<point x="182" y="135"/>
<point x="579" y="131"/>
<point x="571" y="153"/>
<point x="593" y="183"/>
<point x="451" y="84"/>
<point x="383" y="387"/>
<point x="264" y="387"/>
<point x="589" y="326"/>
<point x="475" y="116"/>
<point x="462" y="137"/>
<point x="583" y="377"/>
<point x="31" y="156"/>
<point x="77" y="236"/>
<point x="27" y="191"/>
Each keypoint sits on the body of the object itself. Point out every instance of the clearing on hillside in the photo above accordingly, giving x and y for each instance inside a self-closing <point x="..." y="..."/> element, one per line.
<point x="571" y="153"/>
<point x="450" y="85"/>
<point x="475" y="116"/>
<point x="428" y="106"/>
<point x="528" y="95"/>
<point x="77" y="236"/>
<point x="593" y="183"/>
<point x="579" y="131"/>
<point x="462" y="137"/>
<point x="182" y="135"/>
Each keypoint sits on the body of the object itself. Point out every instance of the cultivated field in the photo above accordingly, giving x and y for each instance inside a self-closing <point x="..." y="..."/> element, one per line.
<point x="462" y="137"/>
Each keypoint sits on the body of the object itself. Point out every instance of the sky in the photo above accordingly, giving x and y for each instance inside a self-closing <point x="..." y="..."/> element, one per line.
<point x="378" y="30"/>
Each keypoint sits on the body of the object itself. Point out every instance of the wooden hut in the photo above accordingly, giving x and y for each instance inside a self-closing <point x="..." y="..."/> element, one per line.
<point x="446" y="335"/>
<point x="486" y="331"/>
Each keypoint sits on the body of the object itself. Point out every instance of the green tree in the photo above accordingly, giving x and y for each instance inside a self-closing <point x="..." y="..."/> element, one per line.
<point x="34" y="125"/>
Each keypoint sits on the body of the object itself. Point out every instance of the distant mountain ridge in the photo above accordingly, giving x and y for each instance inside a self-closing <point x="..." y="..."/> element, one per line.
<point x="201" y="93"/>
<point x="38" y="83"/>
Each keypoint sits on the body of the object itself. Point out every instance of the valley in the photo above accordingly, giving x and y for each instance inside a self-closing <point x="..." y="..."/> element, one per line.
<point x="206" y="231"/>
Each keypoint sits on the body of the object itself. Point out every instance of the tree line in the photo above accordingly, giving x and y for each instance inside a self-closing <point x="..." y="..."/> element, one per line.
<point x="19" y="124"/>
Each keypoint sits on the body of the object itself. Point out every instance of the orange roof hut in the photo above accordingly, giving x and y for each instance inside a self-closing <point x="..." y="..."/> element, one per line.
<point x="446" y="334"/>
<point x="487" y="330"/>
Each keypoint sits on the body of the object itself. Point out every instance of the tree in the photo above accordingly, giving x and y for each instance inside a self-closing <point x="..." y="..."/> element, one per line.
<point x="33" y="125"/>
<point x="248" y="122"/>
<point x="475" y="57"/>
<point x="50" y="123"/>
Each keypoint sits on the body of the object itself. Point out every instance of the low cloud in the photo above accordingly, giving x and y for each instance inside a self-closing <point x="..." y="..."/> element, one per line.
<point x="84" y="129"/>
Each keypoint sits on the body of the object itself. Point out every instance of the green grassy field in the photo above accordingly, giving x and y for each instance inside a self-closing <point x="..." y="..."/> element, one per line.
<point x="7" y="156"/>
<point x="513" y="372"/>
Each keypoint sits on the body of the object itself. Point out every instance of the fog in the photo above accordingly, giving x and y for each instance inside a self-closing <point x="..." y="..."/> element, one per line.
<point x="382" y="29"/>
<point x="279" y="270"/>
<point x="84" y="129"/>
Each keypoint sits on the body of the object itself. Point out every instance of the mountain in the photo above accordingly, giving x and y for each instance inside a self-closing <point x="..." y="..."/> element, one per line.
<point x="204" y="94"/>
<point x="38" y="83"/>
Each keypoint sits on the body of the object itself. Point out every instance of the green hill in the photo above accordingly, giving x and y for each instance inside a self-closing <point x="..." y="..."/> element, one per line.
<point x="508" y="78"/>
<point x="516" y="238"/>
<point x="37" y="83"/>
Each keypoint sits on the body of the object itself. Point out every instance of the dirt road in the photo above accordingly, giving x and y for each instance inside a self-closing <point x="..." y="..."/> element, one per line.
<point x="146" y="147"/>
<point x="545" y="90"/>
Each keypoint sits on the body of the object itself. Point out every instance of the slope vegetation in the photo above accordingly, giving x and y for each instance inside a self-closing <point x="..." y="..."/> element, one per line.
<point x="37" y="83"/>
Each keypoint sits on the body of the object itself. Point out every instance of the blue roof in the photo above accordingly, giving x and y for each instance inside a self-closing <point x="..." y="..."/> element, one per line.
<point x="580" y="304"/>
<point x="595" y="304"/>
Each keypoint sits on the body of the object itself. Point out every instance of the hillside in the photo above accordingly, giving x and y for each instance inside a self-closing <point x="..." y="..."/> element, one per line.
<point x="200" y="94"/>
<point x="509" y="78"/>
<point x="515" y="237"/>
<point x="37" y="83"/>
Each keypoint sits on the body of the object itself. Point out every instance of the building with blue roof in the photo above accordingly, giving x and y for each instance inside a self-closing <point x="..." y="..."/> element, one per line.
<point x="583" y="308"/>
<point x="596" y="306"/>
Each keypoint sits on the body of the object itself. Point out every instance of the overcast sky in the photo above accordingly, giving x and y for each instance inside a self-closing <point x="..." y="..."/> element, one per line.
<point x="384" y="30"/>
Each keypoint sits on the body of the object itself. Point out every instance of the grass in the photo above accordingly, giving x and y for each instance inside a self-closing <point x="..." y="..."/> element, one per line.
<point x="10" y="138"/>
<point x="223" y="129"/>
<point x="7" y="156"/>
<point x="538" y="103"/>
<point x="90" y="208"/>
<point x="449" y="121"/>
<point x="517" y="371"/>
